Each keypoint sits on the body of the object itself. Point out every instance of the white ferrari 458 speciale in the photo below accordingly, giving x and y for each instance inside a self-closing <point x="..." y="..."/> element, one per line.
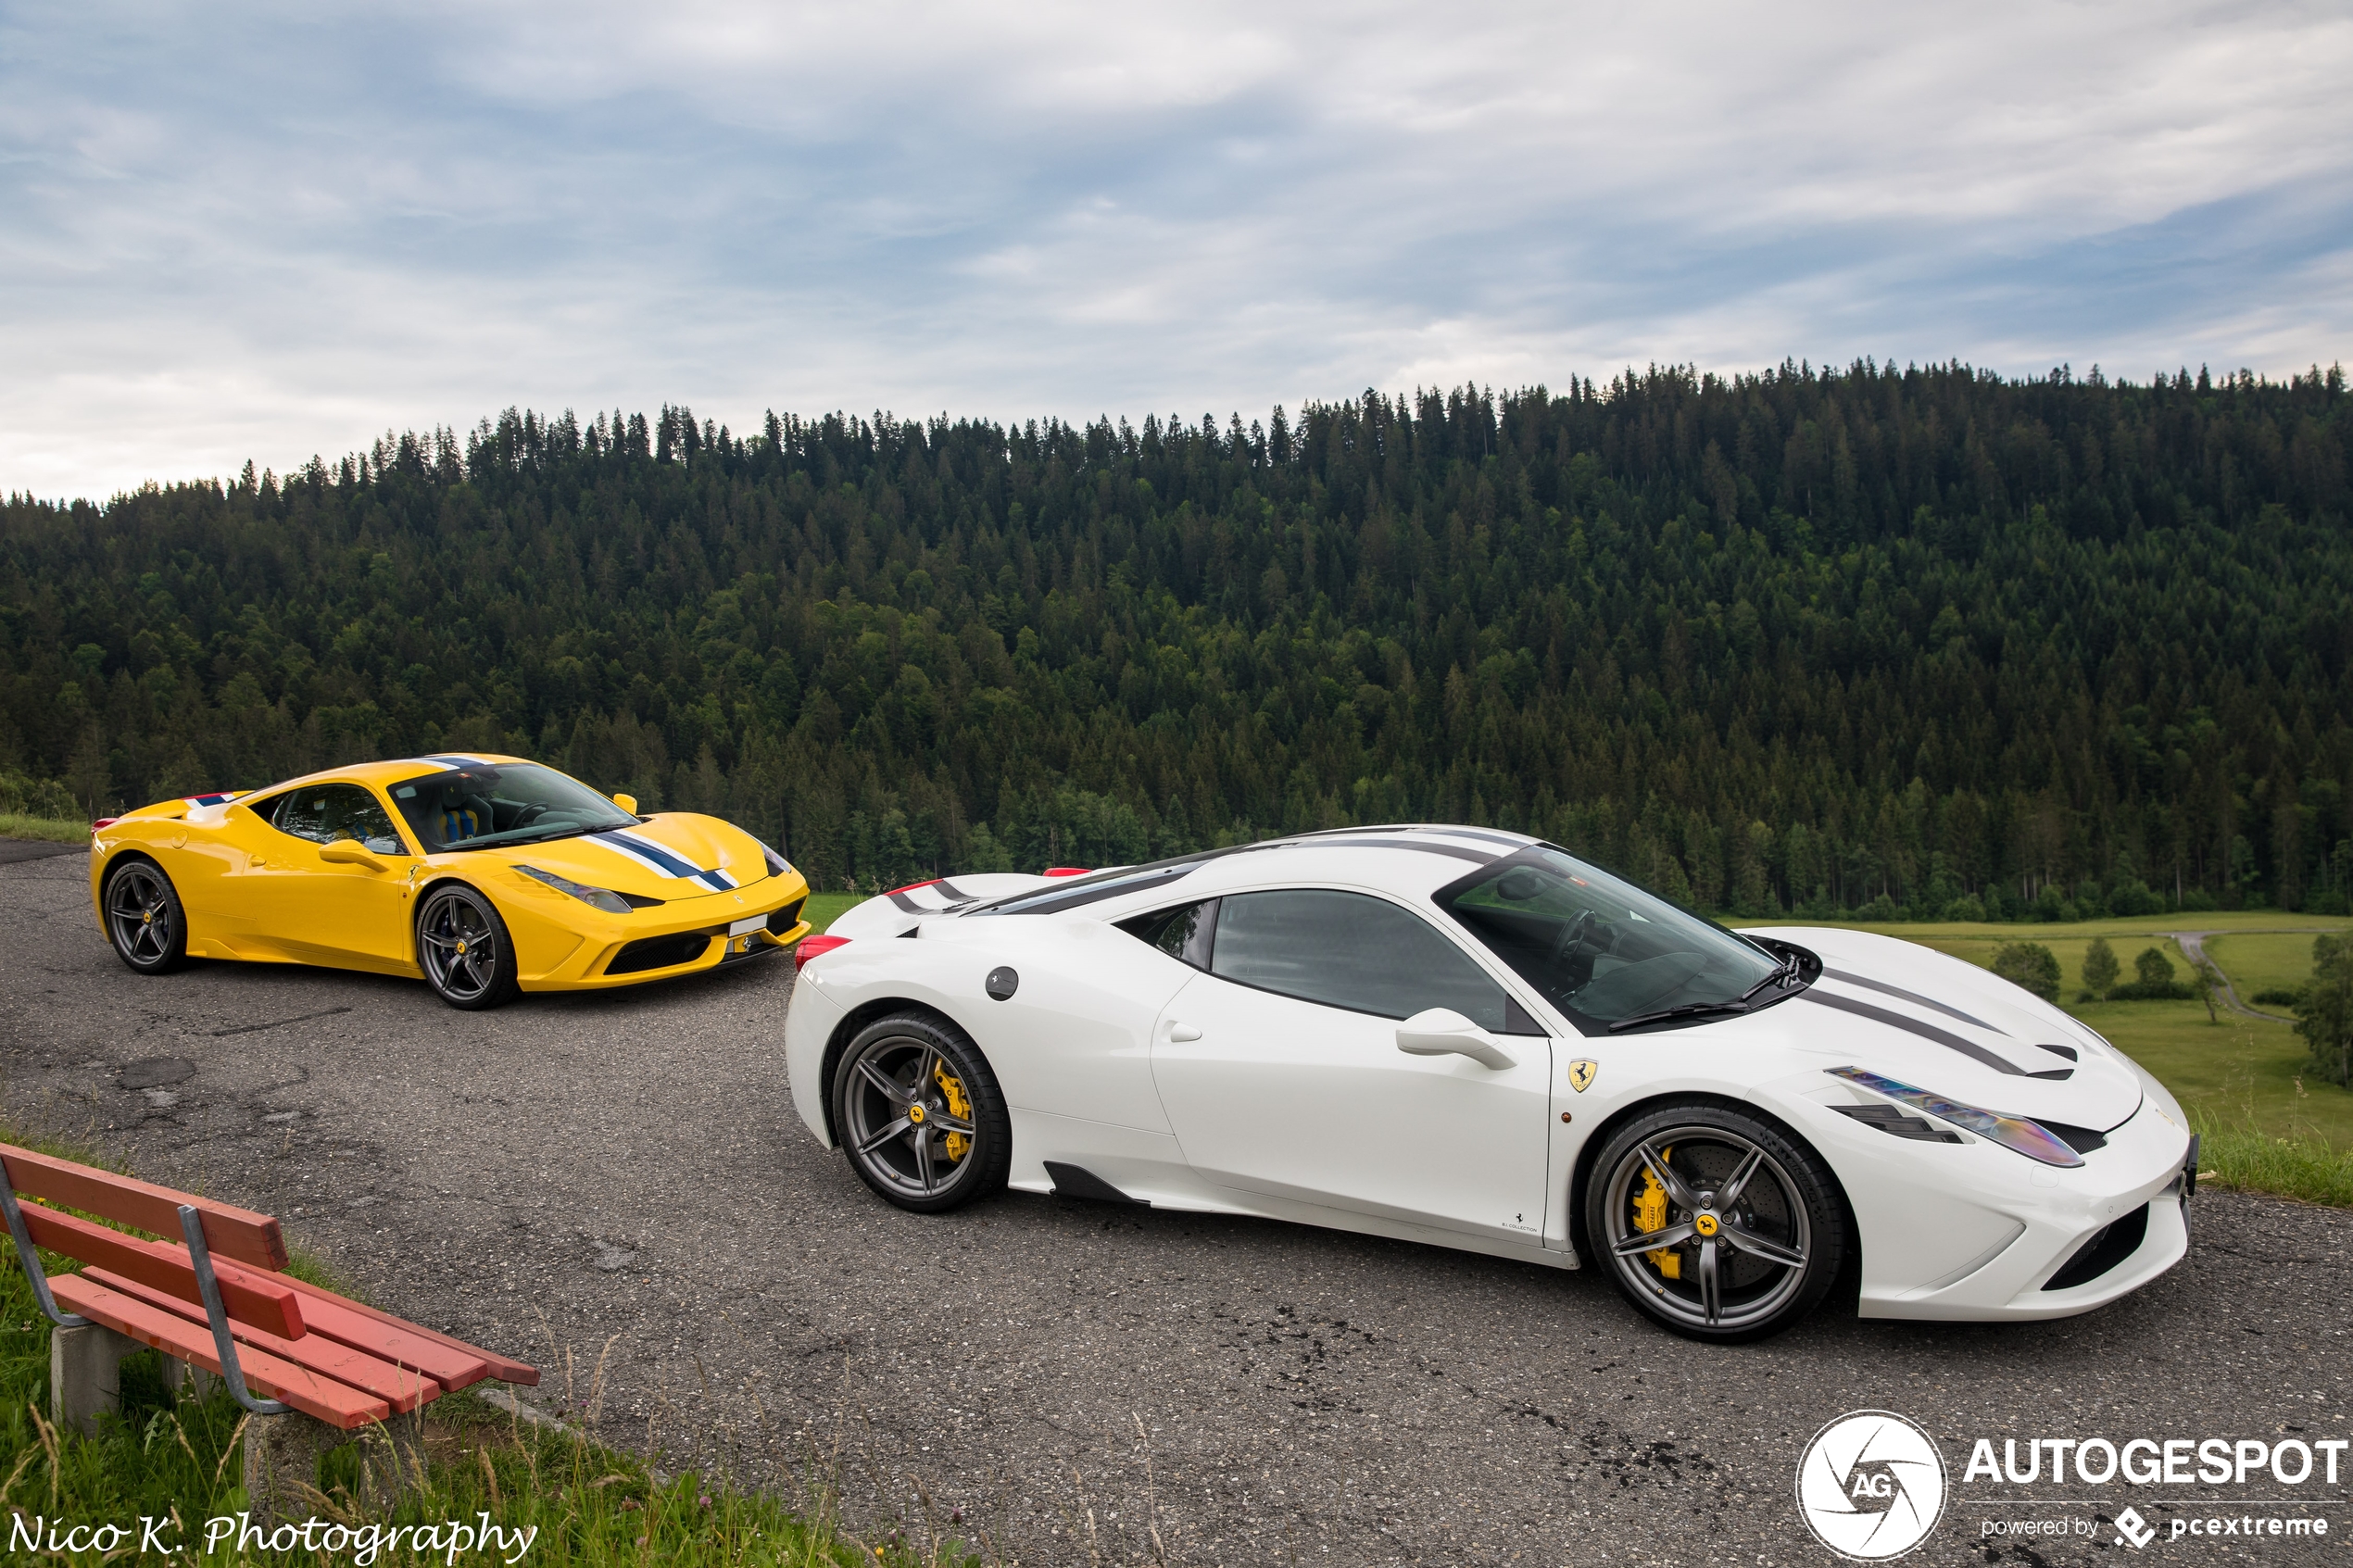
<point x="1469" y="1039"/>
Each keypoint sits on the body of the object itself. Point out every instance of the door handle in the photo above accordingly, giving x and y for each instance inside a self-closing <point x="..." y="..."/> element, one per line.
<point x="1183" y="1033"/>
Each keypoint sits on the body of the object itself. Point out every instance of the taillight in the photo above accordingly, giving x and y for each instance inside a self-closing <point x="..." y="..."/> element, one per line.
<point x="1068" y="870"/>
<point x="912" y="885"/>
<point x="102" y="824"/>
<point x="811" y="947"/>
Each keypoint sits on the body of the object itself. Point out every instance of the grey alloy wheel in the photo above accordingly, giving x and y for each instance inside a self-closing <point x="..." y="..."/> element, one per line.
<point x="920" y="1113"/>
<point x="143" y="918"/>
<point x="464" y="948"/>
<point x="1716" y="1223"/>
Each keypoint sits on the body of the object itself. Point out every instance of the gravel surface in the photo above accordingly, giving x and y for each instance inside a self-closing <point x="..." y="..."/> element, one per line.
<point x="619" y="1183"/>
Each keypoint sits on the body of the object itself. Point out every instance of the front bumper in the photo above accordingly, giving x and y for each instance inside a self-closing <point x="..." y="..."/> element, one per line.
<point x="1975" y="1232"/>
<point x="582" y="949"/>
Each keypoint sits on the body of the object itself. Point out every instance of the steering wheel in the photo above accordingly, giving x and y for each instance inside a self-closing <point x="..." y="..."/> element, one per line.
<point x="1571" y="934"/>
<point x="530" y="814"/>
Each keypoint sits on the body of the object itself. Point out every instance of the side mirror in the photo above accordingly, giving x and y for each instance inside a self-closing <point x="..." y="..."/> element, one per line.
<point x="627" y="803"/>
<point x="350" y="852"/>
<point x="1443" y="1031"/>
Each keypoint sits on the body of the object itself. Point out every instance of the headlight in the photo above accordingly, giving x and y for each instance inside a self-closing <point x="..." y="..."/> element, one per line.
<point x="2030" y="1139"/>
<point x="611" y="903"/>
<point x="778" y="864"/>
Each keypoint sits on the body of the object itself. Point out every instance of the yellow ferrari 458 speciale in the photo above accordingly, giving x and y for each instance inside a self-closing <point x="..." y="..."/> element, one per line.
<point x="485" y="875"/>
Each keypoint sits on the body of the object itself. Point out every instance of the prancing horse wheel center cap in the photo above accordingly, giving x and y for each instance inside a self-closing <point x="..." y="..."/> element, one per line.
<point x="915" y="1114"/>
<point x="462" y="946"/>
<point x="1706" y="1224"/>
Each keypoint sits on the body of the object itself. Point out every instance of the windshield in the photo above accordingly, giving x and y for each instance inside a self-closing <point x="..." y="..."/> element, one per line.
<point x="480" y="807"/>
<point x="1601" y="949"/>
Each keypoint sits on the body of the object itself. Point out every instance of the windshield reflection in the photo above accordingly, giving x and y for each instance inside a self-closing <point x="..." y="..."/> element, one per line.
<point x="1601" y="949"/>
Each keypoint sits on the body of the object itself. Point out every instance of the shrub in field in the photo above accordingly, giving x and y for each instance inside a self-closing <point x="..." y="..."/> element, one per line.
<point x="2030" y="965"/>
<point x="2324" y="1011"/>
<point x="2154" y="980"/>
<point x="2100" y="968"/>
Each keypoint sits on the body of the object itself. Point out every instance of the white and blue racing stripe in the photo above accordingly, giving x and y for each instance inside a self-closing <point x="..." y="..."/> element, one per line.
<point x="662" y="860"/>
<point x="448" y="761"/>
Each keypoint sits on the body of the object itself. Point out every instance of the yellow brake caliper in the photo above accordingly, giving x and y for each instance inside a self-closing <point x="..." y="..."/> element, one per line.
<point x="1650" y="1214"/>
<point x="960" y="1107"/>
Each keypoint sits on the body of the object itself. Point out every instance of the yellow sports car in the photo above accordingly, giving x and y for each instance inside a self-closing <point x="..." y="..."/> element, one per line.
<point x="486" y="875"/>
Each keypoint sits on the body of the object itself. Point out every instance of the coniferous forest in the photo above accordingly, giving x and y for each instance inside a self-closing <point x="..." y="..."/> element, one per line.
<point x="1928" y="642"/>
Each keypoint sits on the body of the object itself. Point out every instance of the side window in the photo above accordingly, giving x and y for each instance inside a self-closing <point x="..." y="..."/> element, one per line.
<point x="323" y="813"/>
<point x="1353" y="951"/>
<point x="1184" y="934"/>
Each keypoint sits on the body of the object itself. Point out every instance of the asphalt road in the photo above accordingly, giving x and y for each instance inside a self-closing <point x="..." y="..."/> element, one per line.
<point x="619" y="1181"/>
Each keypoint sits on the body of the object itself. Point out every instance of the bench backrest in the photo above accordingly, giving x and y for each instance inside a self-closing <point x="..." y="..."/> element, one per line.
<point x="258" y="1299"/>
<point x="238" y="1234"/>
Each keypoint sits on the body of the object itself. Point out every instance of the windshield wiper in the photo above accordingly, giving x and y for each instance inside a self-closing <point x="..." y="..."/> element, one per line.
<point x="1680" y="1010"/>
<point x="1789" y="973"/>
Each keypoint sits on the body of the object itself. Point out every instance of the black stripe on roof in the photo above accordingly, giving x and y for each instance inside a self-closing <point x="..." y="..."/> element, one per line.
<point x="1460" y="851"/>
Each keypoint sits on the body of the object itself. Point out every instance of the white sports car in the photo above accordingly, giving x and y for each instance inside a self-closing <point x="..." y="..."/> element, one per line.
<point x="1469" y="1039"/>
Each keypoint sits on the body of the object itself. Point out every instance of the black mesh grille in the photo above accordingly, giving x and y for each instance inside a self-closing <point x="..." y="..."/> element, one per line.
<point x="658" y="952"/>
<point x="784" y="920"/>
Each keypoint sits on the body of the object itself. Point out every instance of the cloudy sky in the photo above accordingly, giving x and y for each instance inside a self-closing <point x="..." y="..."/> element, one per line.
<point x="255" y="231"/>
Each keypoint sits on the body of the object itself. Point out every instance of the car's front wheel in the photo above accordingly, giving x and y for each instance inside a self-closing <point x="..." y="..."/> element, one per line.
<point x="464" y="948"/>
<point x="920" y="1113"/>
<point x="144" y="919"/>
<point x="1715" y="1222"/>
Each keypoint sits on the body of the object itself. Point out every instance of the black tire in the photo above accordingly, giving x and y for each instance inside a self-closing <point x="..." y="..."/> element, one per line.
<point x="144" y="919"/>
<point x="1735" y="1271"/>
<point x="895" y="1091"/>
<point x="455" y="924"/>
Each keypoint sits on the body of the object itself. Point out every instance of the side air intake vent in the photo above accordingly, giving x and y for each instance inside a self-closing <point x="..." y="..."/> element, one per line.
<point x="2108" y="1247"/>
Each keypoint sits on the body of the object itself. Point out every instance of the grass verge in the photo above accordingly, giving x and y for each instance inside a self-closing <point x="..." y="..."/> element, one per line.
<point x="168" y="1457"/>
<point x="46" y="830"/>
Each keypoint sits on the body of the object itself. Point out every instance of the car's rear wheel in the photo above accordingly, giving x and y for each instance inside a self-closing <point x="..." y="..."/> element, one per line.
<point x="921" y="1115"/>
<point x="1714" y="1221"/>
<point x="464" y="948"/>
<point x="144" y="919"/>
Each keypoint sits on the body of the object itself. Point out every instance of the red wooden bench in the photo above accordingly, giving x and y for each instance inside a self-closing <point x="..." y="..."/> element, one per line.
<point x="315" y="1368"/>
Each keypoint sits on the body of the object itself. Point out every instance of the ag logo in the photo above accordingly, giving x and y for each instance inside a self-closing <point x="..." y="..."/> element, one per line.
<point x="1871" y="1485"/>
<point x="1580" y="1073"/>
<point x="2132" y="1530"/>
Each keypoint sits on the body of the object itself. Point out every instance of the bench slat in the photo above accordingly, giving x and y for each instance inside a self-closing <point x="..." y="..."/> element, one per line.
<point x="247" y="1298"/>
<point x="397" y="1386"/>
<point x="501" y="1367"/>
<point x="231" y="1232"/>
<point x="399" y="1343"/>
<point x="335" y="1403"/>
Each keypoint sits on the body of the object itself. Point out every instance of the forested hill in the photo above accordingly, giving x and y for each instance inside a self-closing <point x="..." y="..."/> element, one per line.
<point x="1808" y="639"/>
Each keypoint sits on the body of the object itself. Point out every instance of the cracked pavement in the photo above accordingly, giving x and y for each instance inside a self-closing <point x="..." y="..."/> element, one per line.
<point x="618" y="1182"/>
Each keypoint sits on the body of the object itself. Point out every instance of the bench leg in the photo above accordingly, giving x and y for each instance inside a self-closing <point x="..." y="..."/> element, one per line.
<point x="281" y="1463"/>
<point x="187" y="1381"/>
<point x="85" y="1375"/>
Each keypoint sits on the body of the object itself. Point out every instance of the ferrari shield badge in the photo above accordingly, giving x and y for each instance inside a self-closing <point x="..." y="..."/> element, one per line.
<point x="1580" y="1073"/>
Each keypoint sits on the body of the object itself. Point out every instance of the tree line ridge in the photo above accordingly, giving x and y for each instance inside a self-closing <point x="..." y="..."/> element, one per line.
<point x="1927" y="641"/>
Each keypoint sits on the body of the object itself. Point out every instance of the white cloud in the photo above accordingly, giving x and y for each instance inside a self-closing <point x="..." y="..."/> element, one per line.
<point x="269" y="232"/>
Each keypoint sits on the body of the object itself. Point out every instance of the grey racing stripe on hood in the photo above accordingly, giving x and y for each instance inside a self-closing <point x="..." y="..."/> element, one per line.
<point x="1945" y="1038"/>
<point x="1913" y="996"/>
